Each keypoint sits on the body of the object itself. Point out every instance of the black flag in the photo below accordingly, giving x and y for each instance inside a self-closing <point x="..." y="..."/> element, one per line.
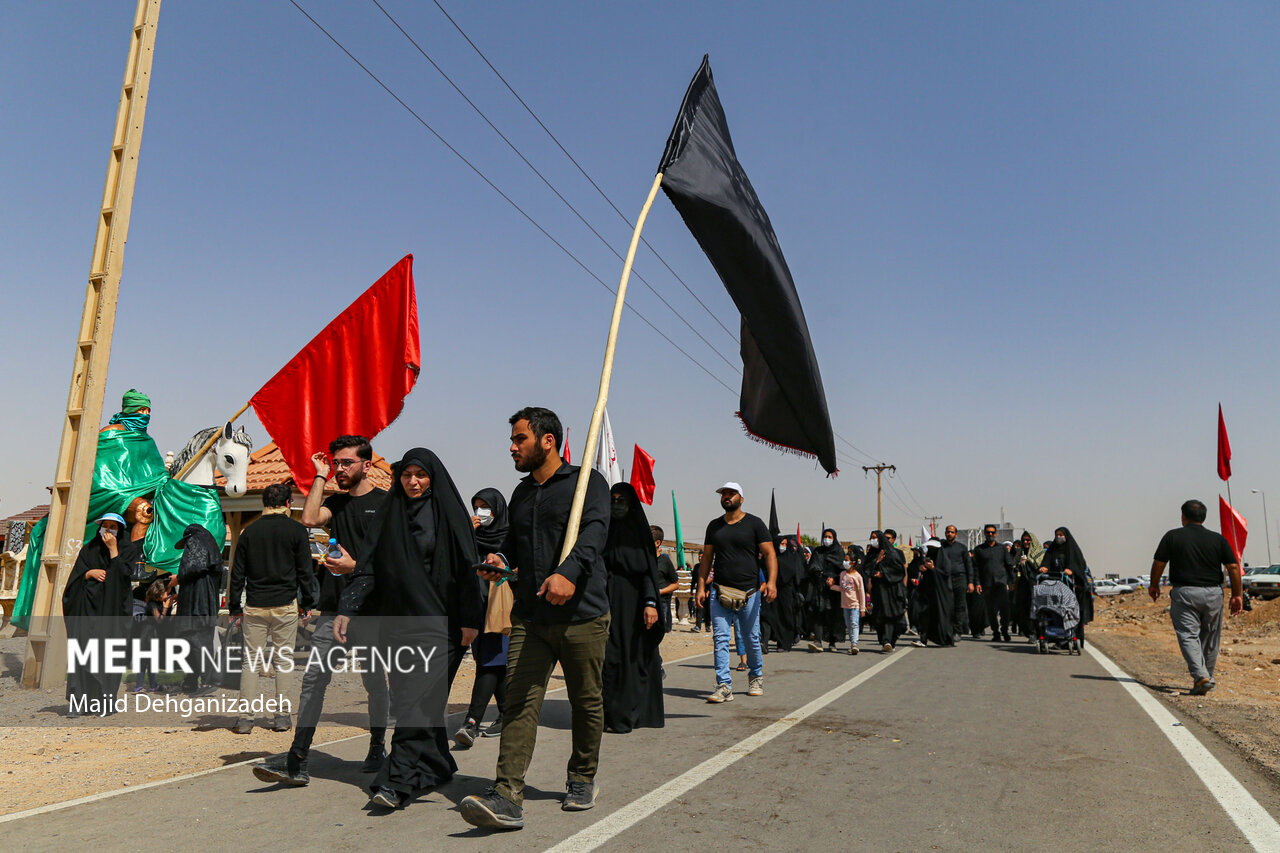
<point x="782" y="402"/>
<point x="774" y="530"/>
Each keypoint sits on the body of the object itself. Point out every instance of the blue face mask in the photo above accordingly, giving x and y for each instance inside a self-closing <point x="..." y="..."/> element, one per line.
<point x="134" y="421"/>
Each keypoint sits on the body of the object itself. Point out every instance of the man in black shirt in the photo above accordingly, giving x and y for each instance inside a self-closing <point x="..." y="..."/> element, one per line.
<point x="993" y="563"/>
<point x="560" y="616"/>
<point x="272" y="567"/>
<point x="347" y="517"/>
<point x="1195" y="556"/>
<point x="731" y="565"/>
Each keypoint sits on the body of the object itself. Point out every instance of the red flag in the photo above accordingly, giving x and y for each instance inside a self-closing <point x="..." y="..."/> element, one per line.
<point x="642" y="476"/>
<point x="1224" y="448"/>
<point x="1234" y="527"/>
<point x="567" y="459"/>
<point x="351" y="379"/>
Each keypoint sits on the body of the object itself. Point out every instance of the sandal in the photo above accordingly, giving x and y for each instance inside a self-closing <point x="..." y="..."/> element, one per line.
<point x="742" y="667"/>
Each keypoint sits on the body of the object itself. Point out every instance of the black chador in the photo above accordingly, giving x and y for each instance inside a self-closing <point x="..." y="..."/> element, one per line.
<point x="888" y="592"/>
<point x="96" y="609"/>
<point x="632" y="685"/>
<point x="934" y="600"/>
<point x="782" y="610"/>
<point x="417" y="575"/>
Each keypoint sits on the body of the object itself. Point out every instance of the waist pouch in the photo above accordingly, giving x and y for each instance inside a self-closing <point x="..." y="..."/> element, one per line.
<point x="732" y="598"/>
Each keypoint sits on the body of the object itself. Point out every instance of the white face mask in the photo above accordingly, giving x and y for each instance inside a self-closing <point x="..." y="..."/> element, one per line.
<point x="847" y="564"/>
<point x="485" y="515"/>
<point x="782" y="548"/>
<point x="827" y="540"/>
<point x="873" y="544"/>
<point x="1061" y="540"/>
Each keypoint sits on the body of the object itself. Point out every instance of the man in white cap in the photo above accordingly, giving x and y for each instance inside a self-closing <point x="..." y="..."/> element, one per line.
<point x="729" y="576"/>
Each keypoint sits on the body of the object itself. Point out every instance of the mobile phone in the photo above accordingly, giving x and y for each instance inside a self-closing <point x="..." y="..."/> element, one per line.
<point x="505" y="571"/>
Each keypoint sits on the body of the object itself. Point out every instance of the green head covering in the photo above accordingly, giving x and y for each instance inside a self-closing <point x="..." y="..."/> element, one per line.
<point x="133" y="401"/>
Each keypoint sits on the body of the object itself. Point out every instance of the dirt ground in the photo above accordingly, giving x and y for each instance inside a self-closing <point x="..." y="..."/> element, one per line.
<point x="48" y="758"/>
<point x="1244" y="709"/>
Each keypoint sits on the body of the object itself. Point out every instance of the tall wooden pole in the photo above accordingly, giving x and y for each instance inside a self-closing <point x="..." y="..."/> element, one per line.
<point x="879" y="469"/>
<point x="45" y="663"/>
<point x="606" y="373"/>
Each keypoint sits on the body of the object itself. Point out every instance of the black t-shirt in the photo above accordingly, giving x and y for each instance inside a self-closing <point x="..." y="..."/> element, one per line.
<point x="734" y="550"/>
<point x="349" y="524"/>
<point x="1195" y="555"/>
<point x="666" y="574"/>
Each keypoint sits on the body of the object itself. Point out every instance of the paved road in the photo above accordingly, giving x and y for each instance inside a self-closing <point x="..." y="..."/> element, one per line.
<point x="984" y="747"/>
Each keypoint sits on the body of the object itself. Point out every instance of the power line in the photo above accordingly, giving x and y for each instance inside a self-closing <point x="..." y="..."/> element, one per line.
<point x="583" y="171"/>
<point x="908" y="490"/>
<point x="548" y="183"/>
<point x="496" y="189"/>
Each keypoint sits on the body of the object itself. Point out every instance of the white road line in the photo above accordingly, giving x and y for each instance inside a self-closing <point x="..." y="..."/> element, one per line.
<point x="627" y="816"/>
<point x="93" y="798"/>
<point x="1258" y="826"/>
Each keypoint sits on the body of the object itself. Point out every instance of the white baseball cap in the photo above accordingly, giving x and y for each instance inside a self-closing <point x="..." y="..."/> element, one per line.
<point x="730" y="487"/>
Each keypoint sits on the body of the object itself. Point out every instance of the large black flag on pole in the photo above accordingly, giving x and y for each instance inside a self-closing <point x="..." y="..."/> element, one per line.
<point x="774" y="530"/>
<point x="782" y="402"/>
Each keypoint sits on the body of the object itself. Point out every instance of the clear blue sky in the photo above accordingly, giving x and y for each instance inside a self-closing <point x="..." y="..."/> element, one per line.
<point x="1036" y="243"/>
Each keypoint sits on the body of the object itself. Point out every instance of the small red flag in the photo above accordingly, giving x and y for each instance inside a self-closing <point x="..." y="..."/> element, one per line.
<point x="642" y="476"/>
<point x="351" y="379"/>
<point x="567" y="459"/>
<point x="1224" y="448"/>
<point x="1234" y="526"/>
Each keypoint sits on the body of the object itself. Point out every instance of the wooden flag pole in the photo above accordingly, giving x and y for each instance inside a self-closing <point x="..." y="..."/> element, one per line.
<point x="208" y="445"/>
<point x="606" y="373"/>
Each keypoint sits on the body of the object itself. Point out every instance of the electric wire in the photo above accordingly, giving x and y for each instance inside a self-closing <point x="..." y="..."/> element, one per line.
<point x="548" y="183"/>
<point x="496" y="189"/>
<point x="583" y="171"/>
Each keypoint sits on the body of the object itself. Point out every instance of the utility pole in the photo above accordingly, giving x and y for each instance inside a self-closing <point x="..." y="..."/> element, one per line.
<point x="879" y="469"/>
<point x="933" y="521"/>
<point x="45" y="663"/>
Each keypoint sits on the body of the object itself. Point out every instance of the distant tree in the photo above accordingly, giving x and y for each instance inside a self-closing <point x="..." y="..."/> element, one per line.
<point x="806" y="539"/>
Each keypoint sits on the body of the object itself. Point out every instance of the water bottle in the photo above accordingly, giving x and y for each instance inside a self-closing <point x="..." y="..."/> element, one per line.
<point x="333" y="552"/>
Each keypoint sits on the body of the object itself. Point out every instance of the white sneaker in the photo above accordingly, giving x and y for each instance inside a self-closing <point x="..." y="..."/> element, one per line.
<point x="757" y="686"/>
<point x="723" y="693"/>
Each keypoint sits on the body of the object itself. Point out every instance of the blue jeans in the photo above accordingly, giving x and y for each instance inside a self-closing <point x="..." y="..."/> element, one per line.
<point x="852" y="620"/>
<point x="746" y="623"/>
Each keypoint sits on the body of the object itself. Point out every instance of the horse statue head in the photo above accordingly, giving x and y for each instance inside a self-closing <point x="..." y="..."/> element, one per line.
<point x="229" y="456"/>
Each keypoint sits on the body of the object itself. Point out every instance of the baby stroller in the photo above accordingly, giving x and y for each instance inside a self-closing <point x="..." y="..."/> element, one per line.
<point x="1055" y="612"/>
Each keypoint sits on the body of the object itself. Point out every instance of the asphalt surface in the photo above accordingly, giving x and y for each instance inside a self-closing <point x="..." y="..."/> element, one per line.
<point x="987" y="746"/>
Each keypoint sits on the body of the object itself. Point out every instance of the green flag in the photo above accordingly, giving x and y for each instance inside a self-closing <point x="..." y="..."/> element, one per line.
<point x="679" y="536"/>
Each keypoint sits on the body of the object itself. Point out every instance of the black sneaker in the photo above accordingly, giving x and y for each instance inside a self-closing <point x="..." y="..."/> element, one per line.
<point x="467" y="735"/>
<point x="491" y="810"/>
<point x="494" y="730"/>
<point x="387" y="798"/>
<point x="282" y="770"/>
<point x="579" y="796"/>
<point x="373" y="761"/>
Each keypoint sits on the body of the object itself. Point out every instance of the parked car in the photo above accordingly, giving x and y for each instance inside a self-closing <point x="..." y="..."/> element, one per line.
<point x="1134" y="583"/>
<point x="1263" y="582"/>
<point x="1110" y="587"/>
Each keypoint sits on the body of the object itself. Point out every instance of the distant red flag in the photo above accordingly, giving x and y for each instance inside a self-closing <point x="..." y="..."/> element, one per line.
<point x="642" y="475"/>
<point x="351" y="379"/>
<point x="567" y="459"/>
<point x="1224" y="448"/>
<point x="1234" y="526"/>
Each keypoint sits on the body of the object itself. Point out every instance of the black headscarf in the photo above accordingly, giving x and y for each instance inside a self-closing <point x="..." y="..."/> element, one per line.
<point x="829" y="557"/>
<point x="199" y="579"/>
<point x="629" y="549"/>
<point x="395" y="554"/>
<point x="1065" y="556"/>
<point x="790" y="562"/>
<point x="112" y="597"/>
<point x="489" y="538"/>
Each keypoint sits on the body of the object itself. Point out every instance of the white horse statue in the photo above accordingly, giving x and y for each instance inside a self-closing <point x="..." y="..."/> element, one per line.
<point x="229" y="455"/>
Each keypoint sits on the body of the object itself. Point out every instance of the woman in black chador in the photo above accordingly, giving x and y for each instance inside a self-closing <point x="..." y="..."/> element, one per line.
<point x="1062" y="556"/>
<point x="418" y="577"/>
<point x="632" y="667"/>
<point x="97" y="605"/>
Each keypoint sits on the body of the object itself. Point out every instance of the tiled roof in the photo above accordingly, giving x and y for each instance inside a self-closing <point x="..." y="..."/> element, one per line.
<point x="267" y="466"/>
<point x="34" y="514"/>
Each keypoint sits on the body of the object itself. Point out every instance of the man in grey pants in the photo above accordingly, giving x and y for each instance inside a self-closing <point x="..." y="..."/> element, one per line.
<point x="1195" y="557"/>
